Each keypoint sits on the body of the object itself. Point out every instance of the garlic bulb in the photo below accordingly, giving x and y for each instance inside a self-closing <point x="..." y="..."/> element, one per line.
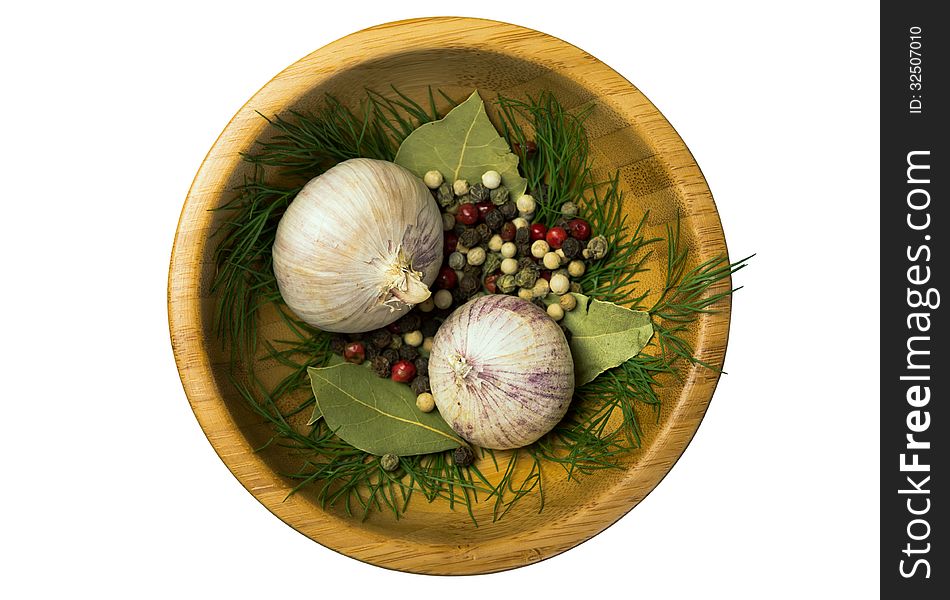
<point x="358" y="246"/>
<point x="501" y="372"/>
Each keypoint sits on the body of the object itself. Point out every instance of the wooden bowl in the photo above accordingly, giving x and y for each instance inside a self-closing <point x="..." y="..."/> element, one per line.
<point x="627" y="133"/>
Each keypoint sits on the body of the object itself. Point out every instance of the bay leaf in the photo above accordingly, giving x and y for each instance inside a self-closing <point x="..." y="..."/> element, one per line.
<point x="377" y="415"/>
<point x="603" y="335"/>
<point x="317" y="414"/>
<point x="462" y="145"/>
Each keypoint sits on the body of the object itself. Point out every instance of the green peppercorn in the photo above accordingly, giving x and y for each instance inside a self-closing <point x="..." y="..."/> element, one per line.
<point x="524" y="249"/>
<point x="492" y="262"/>
<point x="389" y="462"/>
<point x="596" y="248"/>
<point x="463" y="456"/>
<point x="396" y="342"/>
<point x="527" y="276"/>
<point x="499" y="195"/>
<point x="470" y="237"/>
<point x="382" y="366"/>
<point x="571" y="247"/>
<point x="509" y="210"/>
<point x="569" y="209"/>
<point x="484" y="233"/>
<point x="420" y="384"/>
<point x="576" y="288"/>
<point x="445" y="196"/>
<point x="494" y="220"/>
<point x="506" y="284"/>
<point x="479" y="192"/>
<point x="456" y="260"/>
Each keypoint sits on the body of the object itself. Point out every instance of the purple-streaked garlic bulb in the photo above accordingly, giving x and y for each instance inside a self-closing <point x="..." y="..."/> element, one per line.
<point x="501" y="372"/>
<point x="358" y="246"/>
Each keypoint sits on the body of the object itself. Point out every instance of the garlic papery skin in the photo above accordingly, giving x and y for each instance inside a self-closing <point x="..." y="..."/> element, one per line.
<point x="358" y="246"/>
<point x="501" y="372"/>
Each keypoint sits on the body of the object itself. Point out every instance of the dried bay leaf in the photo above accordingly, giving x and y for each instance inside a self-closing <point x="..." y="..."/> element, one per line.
<point x="603" y="335"/>
<point x="462" y="145"/>
<point x="377" y="415"/>
<point x="317" y="414"/>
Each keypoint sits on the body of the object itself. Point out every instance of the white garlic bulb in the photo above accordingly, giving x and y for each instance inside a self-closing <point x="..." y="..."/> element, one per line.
<point x="501" y="372"/>
<point x="358" y="246"/>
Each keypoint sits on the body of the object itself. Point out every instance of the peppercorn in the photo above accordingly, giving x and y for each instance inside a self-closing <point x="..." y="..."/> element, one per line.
<point x="506" y="284"/>
<point x="396" y="342"/>
<point x="420" y="384"/>
<point x="355" y="352"/>
<point x="429" y="327"/>
<point x="390" y="354"/>
<point x="459" y="297"/>
<point x="422" y="363"/>
<point x="569" y="209"/>
<point x="579" y="228"/>
<point x="381" y="365"/>
<point x="499" y="195"/>
<point x="484" y="208"/>
<point x="524" y="249"/>
<point x="445" y="196"/>
<point x="523" y="236"/>
<point x="403" y="371"/>
<point x="571" y="248"/>
<point x="468" y="214"/>
<point x="451" y="240"/>
<point x="494" y="220"/>
<point x="469" y="284"/>
<point x="380" y="338"/>
<point x="389" y="462"/>
<point x="443" y="297"/>
<point x="526" y="262"/>
<point x="463" y="456"/>
<point x="470" y="238"/>
<point x="492" y="262"/>
<point x="479" y="192"/>
<point x="338" y="344"/>
<point x="527" y="276"/>
<point x="484" y="233"/>
<point x="410" y="322"/>
<point x="576" y="288"/>
<point x="447" y="279"/>
<point x="371" y="352"/>
<point x="407" y="352"/>
<point x="555" y="237"/>
<point x="509" y="210"/>
<point x="460" y="187"/>
<point x="490" y="284"/>
<point x="596" y="248"/>
<point x="456" y="260"/>
<point x="425" y="402"/>
<point x="508" y="231"/>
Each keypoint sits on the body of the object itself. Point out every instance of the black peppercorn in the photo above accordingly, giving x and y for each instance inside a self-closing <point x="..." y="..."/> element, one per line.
<point x="371" y="352"/>
<point x="571" y="247"/>
<point x="494" y="220"/>
<point x="390" y="355"/>
<point x="473" y="270"/>
<point x="463" y="456"/>
<point x="408" y="352"/>
<point x="523" y="236"/>
<point x="410" y="322"/>
<point x="429" y="327"/>
<point x="468" y="285"/>
<point x="479" y="192"/>
<point x="524" y="249"/>
<point x="381" y="366"/>
<point x="459" y="297"/>
<point x="420" y="384"/>
<point x="484" y="233"/>
<point x="470" y="237"/>
<point x="337" y="344"/>
<point x="422" y="365"/>
<point x="499" y="195"/>
<point x="509" y="210"/>
<point x="381" y="338"/>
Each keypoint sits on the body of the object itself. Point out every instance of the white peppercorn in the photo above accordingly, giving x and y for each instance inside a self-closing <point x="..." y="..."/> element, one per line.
<point x="426" y="305"/>
<point x="491" y="179"/>
<point x="541" y="288"/>
<point x="427" y="343"/>
<point x="413" y="338"/>
<point x="425" y="402"/>
<point x="560" y="284"/>
<point x="508" y="249"/>
<point x="442" y="299"/>
<point x="526" y="204"/>
<point x="576" y="268"/>
<point x="568" y="302"/>
<point x="509" y="266"/>
<point x="460" y="187"/>
<point x="495" y="243"/>
<point x="526" y="294"/>
<point x="520" y="222"/>
<point x="551" y="260"/>
<point x="476" y="256"/>
<point x="555" y="311"/>
<point x="539" y="248"/>
<point x="569" y="209"/>
<point x="433" y="179"/>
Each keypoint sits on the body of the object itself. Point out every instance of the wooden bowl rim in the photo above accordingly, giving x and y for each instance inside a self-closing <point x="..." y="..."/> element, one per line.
<point x="189" y="342"/>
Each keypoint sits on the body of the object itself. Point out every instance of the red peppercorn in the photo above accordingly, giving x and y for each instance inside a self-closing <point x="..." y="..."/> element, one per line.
<point x="546" y="275"/>
<point x="579" y="228"/>
<point x="555" y="237"/>
<point x="354" y="352"/>
<point x="403" y="371"/>
<point x="447" y="278"/>
<point x="508" y="231"/>
<point x="468" y="214"/>
<point x="538" y="231"/>
<point x="490" y="283"/>
<point x="451" y="242"/>
<point x="484" y="208"/>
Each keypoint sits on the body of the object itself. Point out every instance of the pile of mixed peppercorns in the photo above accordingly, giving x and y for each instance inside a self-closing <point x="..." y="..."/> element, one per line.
<point x="491" y="246"/>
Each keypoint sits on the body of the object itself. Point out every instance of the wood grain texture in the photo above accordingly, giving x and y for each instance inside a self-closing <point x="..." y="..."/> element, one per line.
<point x="455" y="54"/>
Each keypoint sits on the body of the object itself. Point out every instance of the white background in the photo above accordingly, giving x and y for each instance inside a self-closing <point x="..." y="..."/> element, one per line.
<point x="108" y="486"/>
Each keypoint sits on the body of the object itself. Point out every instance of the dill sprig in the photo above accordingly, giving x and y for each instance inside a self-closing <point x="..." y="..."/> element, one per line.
<point x="604" y="422"/>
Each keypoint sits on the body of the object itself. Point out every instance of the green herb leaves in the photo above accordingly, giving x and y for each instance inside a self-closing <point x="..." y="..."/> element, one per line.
<point x="603" y="335"/>
<point x="377" y="415"/>
<point x="463" y="145"/>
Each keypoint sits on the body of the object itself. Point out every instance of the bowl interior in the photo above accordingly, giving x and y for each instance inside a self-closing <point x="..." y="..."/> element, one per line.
<point x="627" y="134"/>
